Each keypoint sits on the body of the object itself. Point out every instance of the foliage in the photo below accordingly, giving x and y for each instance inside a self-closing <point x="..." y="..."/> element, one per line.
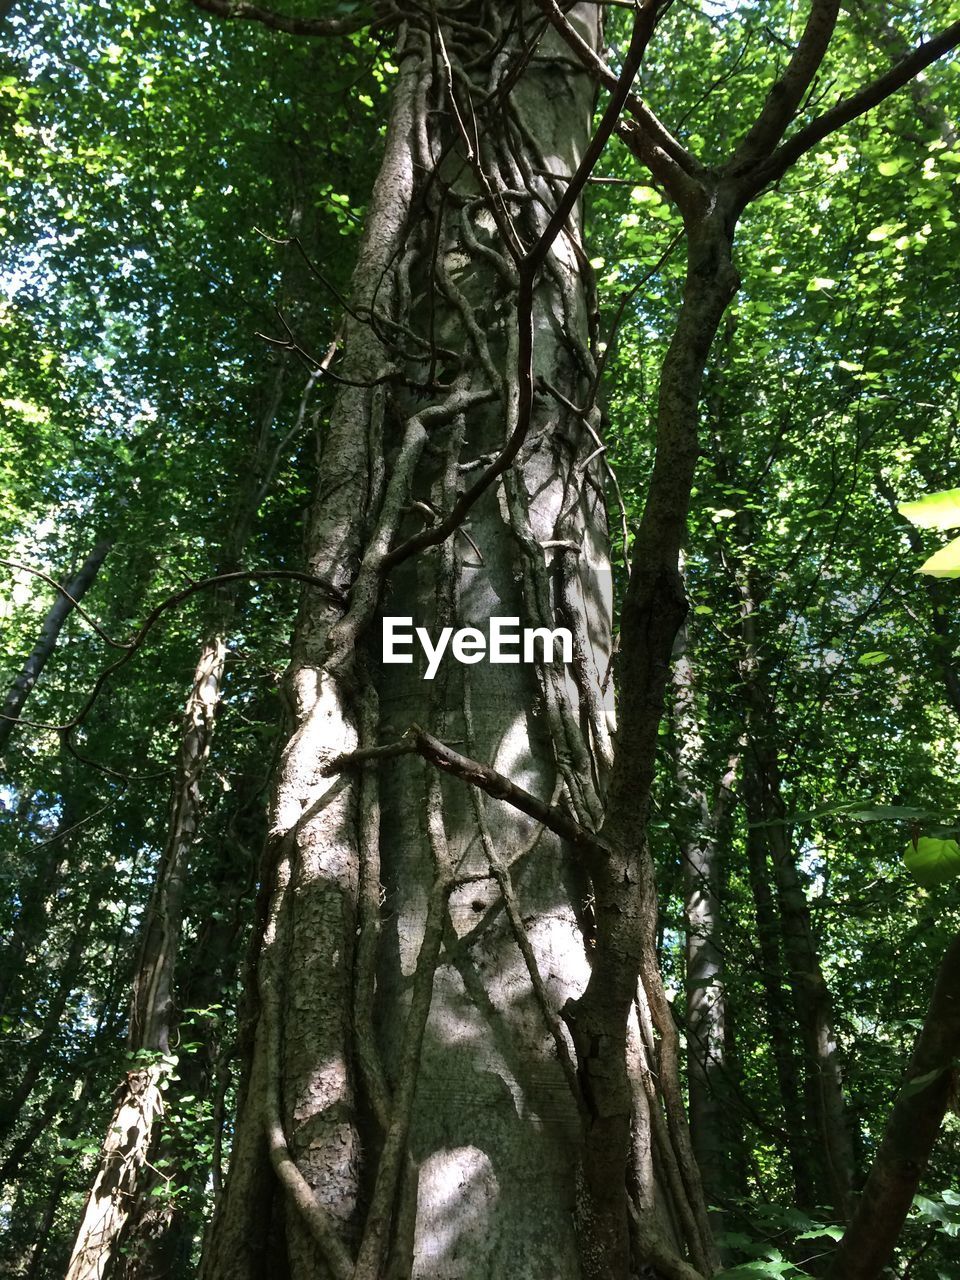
<point x="152" y="161"/>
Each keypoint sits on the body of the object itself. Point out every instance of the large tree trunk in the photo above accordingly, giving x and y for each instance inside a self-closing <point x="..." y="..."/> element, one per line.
<point x="412" y="1084"/>
<point x="466" y="977"/>
<point x="68" y="597"/>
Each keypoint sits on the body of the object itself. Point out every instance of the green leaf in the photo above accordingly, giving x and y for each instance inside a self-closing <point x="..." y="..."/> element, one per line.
<point x="945" y="563"/>
<point x="934" y="510"/>
<point x="932" y="861"/>
<point x="835" y="1233"/>
<point x="859" y="810"/>
<point x="889" y="813"/>
<point x="873" y="658"/>
<point x="884" y="230"/>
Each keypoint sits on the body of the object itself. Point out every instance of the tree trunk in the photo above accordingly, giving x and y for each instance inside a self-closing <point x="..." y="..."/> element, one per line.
<point x="929" y="1089"/>
<point x="412" y="1083"/>
<point x="778" y="1015"/>
<point x="827" y="1116"/>
<point x="160" y="1233"/>
<point x="122" y="1208"/>
<point x="139" y="1102"/>
<point x="38" y="1049"/>
<point x="67" y="598"/>
<point x="704" y="983"/>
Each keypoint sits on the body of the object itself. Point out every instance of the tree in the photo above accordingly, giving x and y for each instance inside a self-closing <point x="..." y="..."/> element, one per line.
<point x="325" y="1187"/>
<point x="458" y="894"/>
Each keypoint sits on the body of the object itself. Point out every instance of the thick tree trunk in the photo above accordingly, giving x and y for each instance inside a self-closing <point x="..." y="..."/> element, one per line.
<point x="67" y="598"/>
<point x="930" y="1087"/>
<point x="412" y="1085"/>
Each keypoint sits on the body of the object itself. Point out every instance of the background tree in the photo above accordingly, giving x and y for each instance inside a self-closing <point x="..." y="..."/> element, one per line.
<point x="409" y="934"/>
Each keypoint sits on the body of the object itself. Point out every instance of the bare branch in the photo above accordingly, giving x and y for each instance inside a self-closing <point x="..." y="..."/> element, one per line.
<point x="501" y="788"/>
<point x="291" y="26"/>
<point x="912" y="1129"/>
<point x="75" y="604"/>
<point x="848" y="109"/>
<point x="154" y="616"/>
<point x="643" y="27"/>
<point x="443" y="756"/>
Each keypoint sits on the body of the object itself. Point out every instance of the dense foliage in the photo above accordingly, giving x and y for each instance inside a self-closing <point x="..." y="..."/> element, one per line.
<point x="182" y="203"/>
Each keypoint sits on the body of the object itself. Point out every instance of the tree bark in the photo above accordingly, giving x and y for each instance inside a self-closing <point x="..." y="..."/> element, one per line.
<point x="832" y="1155"/>
<point x="116" y="1205"/>
<point x="392" y="1151"/>
<point x="71" y="594"/>
<point x="703" y="823"/>
<point x="139" y="1104"/>
<point x="929" y="1089"/>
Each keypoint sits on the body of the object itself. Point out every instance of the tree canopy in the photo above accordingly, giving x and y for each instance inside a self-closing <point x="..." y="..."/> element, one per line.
<point x="185" y="192"/>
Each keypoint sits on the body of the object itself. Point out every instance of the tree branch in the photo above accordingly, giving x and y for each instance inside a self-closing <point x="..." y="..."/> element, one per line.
<point x="787" y="93"/>
<point x="666" y="158"/>
<point x="912" y="1129"/>
<point x="849" y="108"/>
<point x="417" y="740"/>
<point x="527" y="268"/>
<point x="240" y="9"/>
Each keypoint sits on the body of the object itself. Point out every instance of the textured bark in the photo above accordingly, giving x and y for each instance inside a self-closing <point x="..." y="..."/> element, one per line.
<point x="121" y="1164"/>
<point x="624" y="890"/>
<point x="73" y="592"/>
<point x="121" y="1209"/>
<point x="423" y="1122"/>
<point x="356" y="1151"/>
<point x="130" y="1137"/>
<point x="915" y="1120"/>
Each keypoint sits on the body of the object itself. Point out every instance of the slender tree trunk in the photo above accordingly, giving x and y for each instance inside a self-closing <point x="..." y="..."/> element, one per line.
<point x="139" y="1102"/>
<point x="71" y="594"/>
<point x="915" y="1120"/>
<point x="120" y="1207"/>
<point x="38" y="1049"/>
<point x="704" y="983"/>
<point x="161" y="1230"/>
<point x="776" y="1005"/>
<point x="825" y="1104"/>
<point x="32" y="920"/>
